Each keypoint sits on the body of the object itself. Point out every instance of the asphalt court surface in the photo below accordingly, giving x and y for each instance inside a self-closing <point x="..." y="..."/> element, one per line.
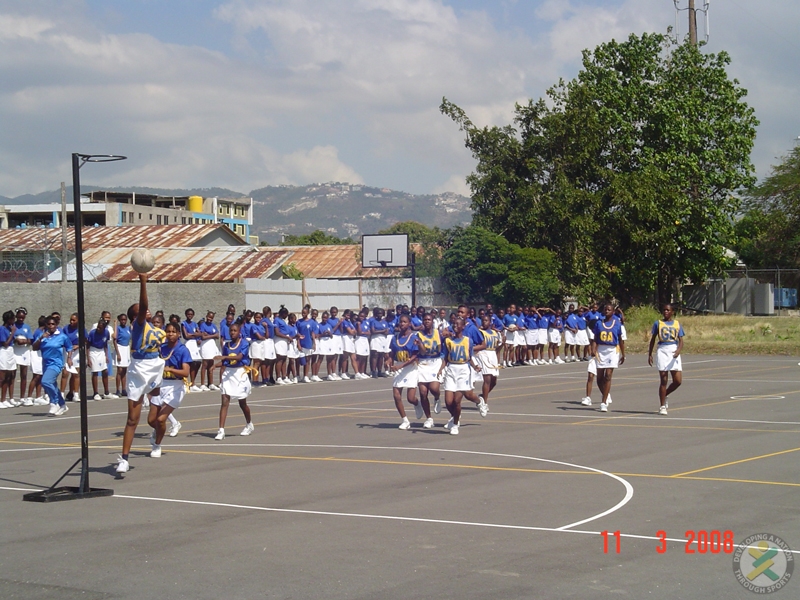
<point x="328" y="498"/>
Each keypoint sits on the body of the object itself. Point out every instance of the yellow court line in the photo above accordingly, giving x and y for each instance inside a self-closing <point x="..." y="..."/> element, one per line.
<point x="736" y="462"/>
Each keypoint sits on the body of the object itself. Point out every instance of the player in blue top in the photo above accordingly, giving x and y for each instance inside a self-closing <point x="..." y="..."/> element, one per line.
<point x="146" y="370"/>
<point x="510" y="329"/>
<point x="177" y="368"/>
<point x="23" y="337"/>
<point x="379" y="343"/>
<point x="429" y="361"/>
<point x="209" y="334"/>
<point x="122" y="353"/>
<point x="457" y="371"/>
<point x="269" y="347"/>
<point x="306" y="329"/>
<point x="190" y="332"/>
<point x="235" y="383"/>
<point x="8" y="364"/>
<point x="404" y="354"/>
<point x="571" y="335"/>
<point x="97" y="343"/>
<point x="54" y="345"/>
<point x="669" y="334"/>
<point x="608" y="348"/>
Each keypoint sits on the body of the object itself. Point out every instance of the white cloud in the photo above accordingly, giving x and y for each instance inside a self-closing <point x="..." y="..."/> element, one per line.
<point x="456" y="184"/>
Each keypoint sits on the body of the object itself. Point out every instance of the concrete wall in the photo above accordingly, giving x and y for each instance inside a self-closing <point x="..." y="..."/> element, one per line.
<point x="44" y="298"/>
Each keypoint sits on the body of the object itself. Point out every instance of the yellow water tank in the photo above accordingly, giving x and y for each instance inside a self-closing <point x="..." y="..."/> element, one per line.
<point x="195" y="204"/>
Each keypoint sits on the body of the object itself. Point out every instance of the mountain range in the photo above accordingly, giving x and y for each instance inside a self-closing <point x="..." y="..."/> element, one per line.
<point x="339" y="209"/>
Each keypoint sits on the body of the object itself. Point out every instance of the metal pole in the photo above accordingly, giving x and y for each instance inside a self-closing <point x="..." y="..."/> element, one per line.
<point x="413" y="279"/>
<point x="76" y="197"/>
<point x="692" y="23"/>
<point x="64" y="257"/>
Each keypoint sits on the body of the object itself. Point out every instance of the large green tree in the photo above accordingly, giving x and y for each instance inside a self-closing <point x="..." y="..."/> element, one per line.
<point x="317" y="238"/>
<point x="768" y="234"/>
<point x="430" y="243"/>
<point x="627" y="172"/>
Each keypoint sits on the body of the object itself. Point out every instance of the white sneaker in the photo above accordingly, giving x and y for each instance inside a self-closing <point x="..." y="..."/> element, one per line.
<point x="428" y="424"/>
<point x="404" y="424"/>
<point x="454" y="429"/>
<point x="587" y="401"/>
<point x="449" y="424"/>
<point x="550" y="362"/>
<point x="220" y="434"/>
<point x="153" y="440"/>
<point x="122" y="465"/>
<point x="213" y="387"/>
<point x="53" y="409"/>
<point x="155" y="452"/>
<point x="15" y="403"/>
<point x="62" y="410"/>
<point x="316" y="378"/>
<point x="332" y="377"/>
<point x="28" y="402"/>
<point x="603" y="407"/>
<point x="609" y="401"/>
<point x="345" y="376"/>
<point x="175" y="429"/>
<point x="418" y="411"/>
<point x="437" y="406"/>
<point x="248" y="429"/>
<point x="205" y="388"/>
<point x="666" y="404"/>
<point x="483" y="408"/>
<point x="662" y="410"/>
<point x="194" y="388"/>
<point x="280" y="381"/>
<point x="293" y="380"/>
<point x="5" y="404"/>
<point x="306" y="379"/>
<point x="559" y="360"/>
<point x="110" y="396"/>
<point x="42" y="401"/>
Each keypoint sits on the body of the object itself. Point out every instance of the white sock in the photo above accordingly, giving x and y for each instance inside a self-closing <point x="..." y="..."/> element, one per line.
<point x="172" y="419"/>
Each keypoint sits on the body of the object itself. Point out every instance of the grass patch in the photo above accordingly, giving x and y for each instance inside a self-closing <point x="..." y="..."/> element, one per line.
<point x="720" y="334"/>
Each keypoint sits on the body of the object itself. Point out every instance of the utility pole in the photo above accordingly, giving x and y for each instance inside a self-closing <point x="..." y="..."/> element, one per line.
<point x="692" y="24"/>
<point x="64" y="256"/>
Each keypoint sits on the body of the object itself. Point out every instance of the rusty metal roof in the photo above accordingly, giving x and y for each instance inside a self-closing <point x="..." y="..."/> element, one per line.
<point x="133" y="236"/>
<point x="217" y="264"/>
<point x="330" y="262"/>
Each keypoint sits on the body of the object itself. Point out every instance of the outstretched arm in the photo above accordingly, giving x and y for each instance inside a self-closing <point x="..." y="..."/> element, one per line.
<point x="141" y="318"/>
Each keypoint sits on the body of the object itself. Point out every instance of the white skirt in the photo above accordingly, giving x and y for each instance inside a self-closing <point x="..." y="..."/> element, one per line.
<point x="589" y="334"/>
<point x="607" y="357"/>
<point x="269" y="349"/>
<point x="97" y="359"/>
<point x="665" y="361"/>
<point x="581" y="338"/>
<point x="257" y="349"/>
<point x="209" y="349"/>
<point x="124" y="357"/>
<point x="144" y="375"/>
<point x="592" y="366"/>
<point x="194" y="350"/>
<point x="554" y="336"/>
<point x="338" y="345"/>
<point x="570" y="339"/>
<point x="519" y="337"/>
<point x="379" y="342"/>
<point x="428" y="370"/>
<point x="7" y="360"/>
<point x="293" y="352"/>
<point x="406" y="377"/>
<point x="362" y="345"/>
<point x="22" y="355"/>
<point x="531" y="337"/>
<point x="325" y="346"/>
<point x="488" y="362"/>
<point x="172" y="393"/>
<point x="37" y="366"/>
<point x="235" y="383"/>
<point x="348" y="344"/>
<point x="281" y="346"/>
<point x="543" y="337"/>
<point x="457" y="378"/>
<point x="76" y="362"/>
<point x="511" y="338"/>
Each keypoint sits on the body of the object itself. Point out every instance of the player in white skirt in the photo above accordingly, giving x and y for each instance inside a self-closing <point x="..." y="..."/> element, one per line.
<point x="591" y="370"/>
<point x="145" y="371"/>
<point x="177" y="368"/>
<point x="209" y="334"/>
<point x="122" y="353"/>
<point x="235" y="383"/>
<point x="8" y="364"/>
<point x="192" y="338"/>
<point x="97" y="344"/>
<point x="362" y="344"/>
<point x="608" y="349"/>
<point x="669" y="334"/>
<point x="582" y="337"/>
<point x="35" y="395"/>
<point x="404" y="354"/>
<point x="457" y="372"/>
<point x="379" y="343"/>
<point x="429" y="363"/>
<point x="348" y="344"/>
<point x="486" y="355"/>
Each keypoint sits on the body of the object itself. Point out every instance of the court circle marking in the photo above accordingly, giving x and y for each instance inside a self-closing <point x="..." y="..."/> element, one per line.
<point x="628" y="487"/>
<point x="758" y="397"/>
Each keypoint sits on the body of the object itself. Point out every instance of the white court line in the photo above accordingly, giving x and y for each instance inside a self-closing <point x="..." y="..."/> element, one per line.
<point x="384" y="517"/>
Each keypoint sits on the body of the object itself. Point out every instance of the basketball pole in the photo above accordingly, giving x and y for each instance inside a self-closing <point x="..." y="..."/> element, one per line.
<point x="83" y="490"/>
<point x="413" y="279"/>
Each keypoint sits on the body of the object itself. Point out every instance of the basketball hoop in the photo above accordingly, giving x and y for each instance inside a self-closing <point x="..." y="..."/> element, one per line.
<point x="98" y="158"/>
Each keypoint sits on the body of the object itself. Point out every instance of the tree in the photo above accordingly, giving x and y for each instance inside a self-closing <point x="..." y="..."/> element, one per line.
<point x="768" y="234"/>
<point x="627" y="173"/>
<point x="482" y="265"/>
<point x="318" y="238"/>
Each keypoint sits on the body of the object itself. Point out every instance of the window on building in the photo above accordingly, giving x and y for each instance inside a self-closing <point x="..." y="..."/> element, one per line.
<point x="183" y="220"/>
<point x="158" y="219"/>
<point x="130" y="217"/>
<point x="140" y="216"/>
<point x="122" y="216"/>
<point x="151" y="216"/>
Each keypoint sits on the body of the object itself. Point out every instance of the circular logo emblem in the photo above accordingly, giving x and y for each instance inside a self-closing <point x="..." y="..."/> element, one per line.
<point x="763" y="563"/>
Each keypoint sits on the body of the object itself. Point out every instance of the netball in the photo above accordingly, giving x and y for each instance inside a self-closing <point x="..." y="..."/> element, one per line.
<point x="142" y="261"/>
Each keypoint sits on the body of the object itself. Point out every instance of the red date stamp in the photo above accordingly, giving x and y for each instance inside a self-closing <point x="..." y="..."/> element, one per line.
<point x="696" y="542"/>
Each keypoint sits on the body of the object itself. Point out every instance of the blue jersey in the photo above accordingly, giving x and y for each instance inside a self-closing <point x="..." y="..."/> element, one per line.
<point x="225" y="329"/>
<point x="174" y="358"/>
<point x="544" y="322"/>
<point x="123" y="335"/>
<point x="146" y="341"/>
<point x="333" y="322"/>
<point x="282" y="326"/>
<point x="257" y="331"/>
<point x="269" y="328"/>
<point x="510" y="321"/>
<point x="5" y="334"/>
<point x="430" y="346"/>
<point x="556" y="323"/>
<point x="72" y="334"/>
<point x="497" y="323"/>
<point x="667" y="332"/>
<point x="188" y="327"/>
<point x="404" y="348"/>
<point x="572" y="321"/>
<point x="23" y="329"/>
<point x="380" y="326"/>
<point x="608" y="333"/>
<point x="97" y="339"/>
<point x="53" y="348"/>
<point x="208" y="328"/>
<point x="364" y="328"/>
<point x="239" y="347"/>
<point x="581" y="323"/>
<point x="307" y="328"/>
<point x="532" y="321"/>
<point x="473" y="333"/>
<point x="522" y="322"/>
<point x="324" y="330"/>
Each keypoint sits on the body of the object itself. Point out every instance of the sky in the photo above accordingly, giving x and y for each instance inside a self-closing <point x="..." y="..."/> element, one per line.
<point x="248" y="93"/>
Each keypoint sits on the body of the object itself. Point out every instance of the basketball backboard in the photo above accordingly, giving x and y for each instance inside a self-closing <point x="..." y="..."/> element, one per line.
<point x="384" y="250"/>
